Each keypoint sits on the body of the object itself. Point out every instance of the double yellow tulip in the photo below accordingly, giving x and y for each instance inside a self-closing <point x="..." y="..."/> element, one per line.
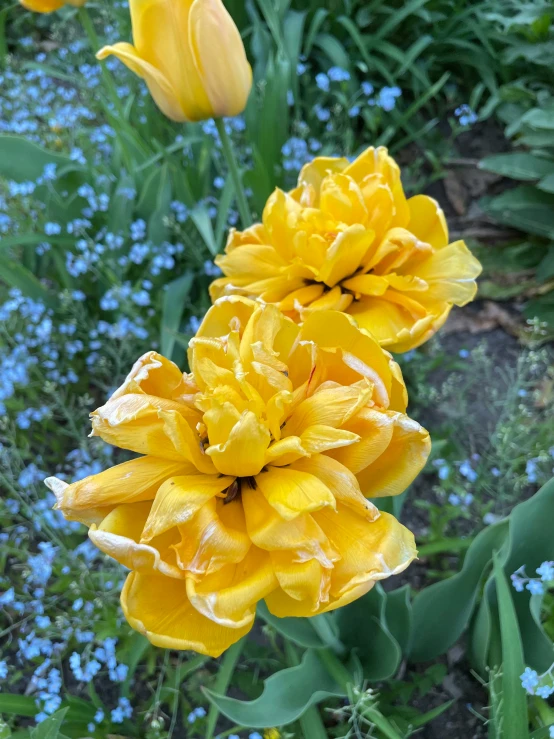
<point x="191" y="56"/>
<point x="47" y="6"/>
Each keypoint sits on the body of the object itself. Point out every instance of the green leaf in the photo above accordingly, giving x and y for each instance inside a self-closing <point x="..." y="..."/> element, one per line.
<point x="426" y="718"/>
<point x="286" y="696"/>
<point x="518" y="165"/>
<point x="8" y="242"/>
<point x="333" y="49"/>
<point x="481" y="637"/>
<point x="525" y="208"/>
<point x="50" y="727"/>
<point x="20" y="705"/>
<point x="298" y="630"/>
<point x="133" y="653"/>
<point x="317" y="21"/>
<point x="514" y="701"/>
<point x="533" y="515"/>
<point x="174" y="298"/>
<point x="121" y="205"/>
<point x="547" y="183"/>
<point x="201" y="219"/>
<point x="363" y="627"/>
<point x="545" y="269"/>
<point x="16" y="275"/>
<point x="543" y="733"/>
<point x="398" y="612"/>
<point x="23" y="161"/>
<point x="442" y="611"/>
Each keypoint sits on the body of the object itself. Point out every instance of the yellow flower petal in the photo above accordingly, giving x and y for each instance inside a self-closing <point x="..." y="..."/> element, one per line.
<point x="374" y="429"/>
<point x="312" y="174"/>
<point x="161" y="88"/>
<point x="228" y="597"/>
<point x="345" y="254"/>
<point x="42" y="6"/>
<point x="179" y="499"/>
<point x="321" y="438"/>
<point x="291" y="492"/>
<point x="370" y="551"/>
<point x="243" y="454"/>
<point x="225" y="76"/>
<point x="340" y="481"/>
<point x="159" y="608"/>
<point x="360" y="350"/>
<point x="118" y="536"/>
<point x="400" y="463"/>
<point x="367" y="285"/>
<point x="136" y="422"/>
<point x="216" y="536"/>
<point x="427" y="221"/>
<point x="269" y="531"/>
<point x="154" y="375"/>
<point x="450" y="274"/>
<point x="307" y="582"/>
<point x="130" y="482"/>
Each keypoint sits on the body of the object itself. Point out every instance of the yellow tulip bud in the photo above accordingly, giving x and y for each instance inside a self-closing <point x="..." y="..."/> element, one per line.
<point x="47" y="6"/>
<point x="191" y="56"/>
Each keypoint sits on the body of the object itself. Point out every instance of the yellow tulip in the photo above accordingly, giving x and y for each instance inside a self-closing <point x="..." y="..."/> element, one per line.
<point x="347" y="239"/>
<point x="256" y="473"/>
<point x="191" y="56"/>
<point x="47" y="6"/>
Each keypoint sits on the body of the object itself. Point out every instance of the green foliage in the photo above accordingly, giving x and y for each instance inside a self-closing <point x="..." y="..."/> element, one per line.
<point x="287" y="695"/>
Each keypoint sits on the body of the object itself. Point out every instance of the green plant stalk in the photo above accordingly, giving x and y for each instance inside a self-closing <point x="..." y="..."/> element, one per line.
<point x="310" y="721"/>
<point x="377" y="718"/>
<point x="336" y="668"/>
<point x="325" y="631"/>
<point x="226" y="669"/>
<point x="242" y="202"/>
<point x="88" y="28"/>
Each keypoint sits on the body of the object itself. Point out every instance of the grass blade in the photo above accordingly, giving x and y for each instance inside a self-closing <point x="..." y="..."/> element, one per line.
<point x="514" y="702"/>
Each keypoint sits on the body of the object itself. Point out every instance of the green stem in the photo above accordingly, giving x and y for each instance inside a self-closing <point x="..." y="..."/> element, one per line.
<point x="323" y="628"/>
<point x="377" y="718"/>
<point x="336" y="669"/>
<point x="242" y="202"/>
<point x="226" y="669"/>
<point x="88" y="28"/>
<point x="310" y="722"/>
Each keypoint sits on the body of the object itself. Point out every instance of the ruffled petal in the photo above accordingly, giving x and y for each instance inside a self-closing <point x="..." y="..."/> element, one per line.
<point x="160" y="609"/>
<point x="340" y="481"/>
<point x="370" y="551"/>
<point x="130" y="482"/>
<point x="292" y="493"/>
<point x="179" y="499"/>
<point x="216" y="536"/>
<point x="118" y="536"/>
<point x="269" y="531"/>
<point x="427" y="221"/>
<point x="228" y="597"/>
<point x="243" y="454"/>
<point x="400" y="463"/>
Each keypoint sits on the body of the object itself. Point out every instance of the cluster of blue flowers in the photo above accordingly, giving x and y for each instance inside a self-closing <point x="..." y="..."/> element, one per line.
<point x="541" y="685"/>
<point x="535" y="585"/>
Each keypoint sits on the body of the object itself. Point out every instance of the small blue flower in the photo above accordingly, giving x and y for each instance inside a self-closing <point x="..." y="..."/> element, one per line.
<point x="529" y="680"/>
<point x="322" y="81"/>
<point x="535" y="587"/>
<point x="546" y="571"/>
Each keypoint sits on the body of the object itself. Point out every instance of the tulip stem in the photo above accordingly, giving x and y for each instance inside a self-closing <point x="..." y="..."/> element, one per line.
<point x="88" y="27"/>
<point x="227" y="147"/>
<point x="226" y="669"/>
<point x="324" y="629"/>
